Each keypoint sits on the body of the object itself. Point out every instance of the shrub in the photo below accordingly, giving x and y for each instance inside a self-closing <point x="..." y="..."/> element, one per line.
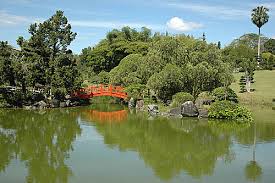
<point x="180" y="98"/>
<point x="223" y="93"/>
<point x="135" y="90"/>
<point x="229" y="110"/>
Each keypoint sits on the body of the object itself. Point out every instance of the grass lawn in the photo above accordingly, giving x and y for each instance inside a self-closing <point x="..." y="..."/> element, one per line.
<point x="259" y="101"/>
<point x="264" y="89"/>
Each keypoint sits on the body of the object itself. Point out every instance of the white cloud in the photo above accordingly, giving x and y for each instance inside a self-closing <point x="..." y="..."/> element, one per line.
<point x="114" y="24"/>
<point x="7" y="19"/>
<point x="178" y="24"/>
<point x="217" y="11"/>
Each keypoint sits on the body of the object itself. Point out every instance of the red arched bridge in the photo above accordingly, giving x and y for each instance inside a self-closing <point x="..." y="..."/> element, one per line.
<point x="100" y="90"/>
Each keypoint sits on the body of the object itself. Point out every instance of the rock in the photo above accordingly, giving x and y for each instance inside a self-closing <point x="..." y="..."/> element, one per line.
<point x="62" y="104"/>
<point x="203" y="113"/>
<point x="153" y="109"/>
<point x="67" y="96"/>
<point x="140" y="105"/>
<point x="189" y="109"/>
<point x="41" y="105"/>
<point x="27" y="107"/>
<point x="55" y="103"/>
<point x="68" y="103"/>
<point x="75" y="103"/>
<point x="175" y="111"/>
<point x="131" y="103"/>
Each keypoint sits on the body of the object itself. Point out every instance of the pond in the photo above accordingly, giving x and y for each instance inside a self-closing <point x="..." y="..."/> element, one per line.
<point x="104" y="144"/>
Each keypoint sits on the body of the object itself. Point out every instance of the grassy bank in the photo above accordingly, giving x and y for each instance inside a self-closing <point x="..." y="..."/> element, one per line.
<point x="264" y="89"/>
<point x="259" y="101"/>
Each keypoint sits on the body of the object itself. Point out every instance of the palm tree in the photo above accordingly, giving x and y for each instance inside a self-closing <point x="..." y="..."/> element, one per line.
<point x="259" y="17"/>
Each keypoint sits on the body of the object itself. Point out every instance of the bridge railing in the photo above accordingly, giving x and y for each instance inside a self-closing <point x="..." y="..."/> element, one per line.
<point x="101" y="90"/>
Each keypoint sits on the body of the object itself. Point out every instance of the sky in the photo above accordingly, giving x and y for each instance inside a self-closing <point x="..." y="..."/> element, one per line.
<point x="92" y="19"/>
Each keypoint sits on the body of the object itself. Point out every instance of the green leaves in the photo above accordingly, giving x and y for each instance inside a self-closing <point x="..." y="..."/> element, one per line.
<point x="117" y="45"/>
<point x="259" y="16"/>
<point x="230" y="111"/>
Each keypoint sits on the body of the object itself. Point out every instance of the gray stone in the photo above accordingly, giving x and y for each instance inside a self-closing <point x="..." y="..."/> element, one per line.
<point x="55" y="103"/>
<point x="203" y="113"/>
<point x="189" y="109"/>
<point x="67" y="97"/>
<point x="75" y="103"/>
<point x="27" y="107"/>
<point x="153" y="109"/>
<point x="131" y="103"/>
<point x="68" y="103"/>
<point x="175" y="111"/>
<point x="41" y="105"/>
<point x="140" y="105"/>
<point x="62" y="104"/>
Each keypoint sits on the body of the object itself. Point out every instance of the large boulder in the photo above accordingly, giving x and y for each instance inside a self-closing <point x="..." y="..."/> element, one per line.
<point x="75" y="103"/>
<point x="189" y="109"/>
<point x="153" y="109"/>
<point x="175" y="112"/>
<point x="62" y="104"/>
<point x="68" y="103"/>
<point x="131" y="103"/>
<point x="55" y="103"/>
<point x="203" y="112"/>
<point x="41" y="105"/>
<point x="140" y="105"/>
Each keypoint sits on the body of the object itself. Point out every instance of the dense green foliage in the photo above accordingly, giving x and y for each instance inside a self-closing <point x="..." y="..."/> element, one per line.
<point x="268" y="60"/>
<point x="224" y="93"/>
<point x="136" y="91"/>
<point x="43" y="60"/>
<point x="230" y="111"/>
<point x="126" y="72"/>
<point x="108" y="53"/>
<point x="250" y="40"/>
<point x="180" y="98"/>
<point x="270" y="46"/>
<point x="174" y="64"/>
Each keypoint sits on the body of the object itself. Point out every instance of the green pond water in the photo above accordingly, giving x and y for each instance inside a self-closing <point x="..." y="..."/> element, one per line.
<point x="107" y="144"/>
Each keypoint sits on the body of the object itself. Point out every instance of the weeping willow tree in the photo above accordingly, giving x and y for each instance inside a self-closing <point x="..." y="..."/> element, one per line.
<point x="259" y="17"/>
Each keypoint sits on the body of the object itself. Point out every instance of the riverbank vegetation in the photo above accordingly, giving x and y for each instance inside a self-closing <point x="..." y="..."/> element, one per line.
<point x="151" y="66"/>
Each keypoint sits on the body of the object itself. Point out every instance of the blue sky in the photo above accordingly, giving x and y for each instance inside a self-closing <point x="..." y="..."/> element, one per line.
<point x="91" y="19"/>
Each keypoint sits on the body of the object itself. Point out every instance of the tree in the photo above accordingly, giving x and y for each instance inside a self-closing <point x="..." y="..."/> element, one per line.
<point x="251" y="40"/>
<point x="259" y="17"/>
<point x="45" y="58"/>
<point x="270" y="46"/>
<point x="167" y="82"/>
<point x="6" y="69"/>
<point x="118" y="44"/>
<point x="126" y="72"/>
<point x="219" y="45"/>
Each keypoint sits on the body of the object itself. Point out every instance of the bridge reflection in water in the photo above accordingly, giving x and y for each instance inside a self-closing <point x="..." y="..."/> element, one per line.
<point x="105" y="117"/>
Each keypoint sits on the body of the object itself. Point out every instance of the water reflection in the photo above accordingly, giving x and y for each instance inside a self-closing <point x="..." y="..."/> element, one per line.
<point x="105" y="117"/>
<point x="42" y="141"/>
<point x="169" y="147"/>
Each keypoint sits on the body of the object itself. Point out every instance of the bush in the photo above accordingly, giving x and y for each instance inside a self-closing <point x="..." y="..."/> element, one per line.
<point x="135" y="90"/>
<point x="223" y="93"/>
<point x="229" y="110"/>
<point x="180" y="98"/>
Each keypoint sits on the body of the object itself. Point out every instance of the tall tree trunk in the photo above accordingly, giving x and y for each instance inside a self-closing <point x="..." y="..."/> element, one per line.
<point x="259" y="47"/>
<point x="254" y="146"/>
<point x="247" y="82"/>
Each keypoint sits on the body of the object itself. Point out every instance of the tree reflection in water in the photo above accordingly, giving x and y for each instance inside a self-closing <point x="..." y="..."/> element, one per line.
<point x="167" y="146"/>
<point x="42" y="140"/>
